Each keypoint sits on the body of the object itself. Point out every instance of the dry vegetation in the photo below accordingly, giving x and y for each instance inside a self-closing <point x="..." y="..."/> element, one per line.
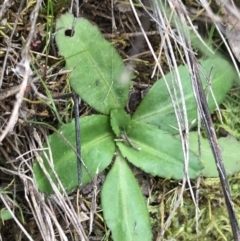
<point x="34" y="95"/>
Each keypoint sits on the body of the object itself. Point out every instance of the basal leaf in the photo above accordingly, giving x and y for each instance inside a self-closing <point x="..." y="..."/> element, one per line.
<point x="5" y="215"/>
<point x="98" y="69"/>
<point x="123" y="205"/>
<point x="230" y="153"/>
<point x="97" y="147"/>
<point x="156" y="107"/>
<point x="120" y="121"/>
<point x="159" y="153"/>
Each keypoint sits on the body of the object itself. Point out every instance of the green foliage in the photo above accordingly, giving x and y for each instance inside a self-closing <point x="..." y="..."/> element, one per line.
<point x="229" y="148"/>
<point x="163" y="116"/>
<point x="155" y="154"/>
<point x="123" y="204"/>
<point x="97" y="151"/>
<point x="5" y="215"/>
<point x="120" y="121"/>
<point x="97" y="67"/>
<point x="145" y="140"/>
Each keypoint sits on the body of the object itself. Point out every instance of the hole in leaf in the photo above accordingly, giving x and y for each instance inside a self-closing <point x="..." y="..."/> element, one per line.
<point x="69" y="32"/>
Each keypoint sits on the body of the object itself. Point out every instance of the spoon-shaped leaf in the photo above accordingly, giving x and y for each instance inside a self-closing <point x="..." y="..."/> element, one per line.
<point x="123" y="204"/>
<point x="156" y="107"/>
<point x="98" y="70"/>
<point x="159" y="153"/>
<point x="97" y="151"/>
<point x="229" y="149"/>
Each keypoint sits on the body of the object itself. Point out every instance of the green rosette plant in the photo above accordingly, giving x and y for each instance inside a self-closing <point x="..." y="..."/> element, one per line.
<point x="145" y="139"/>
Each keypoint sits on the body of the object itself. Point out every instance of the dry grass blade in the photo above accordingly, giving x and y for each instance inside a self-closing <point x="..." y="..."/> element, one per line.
<point x="60" y="199"/>
<point x="205" y="115"/>
<point x="41" y="207"/>
<point x="9" y="42"/>
<point x="163" y="16"/>
<point x="230" y="18"/>
<point x="24" y="70"/>
<point x="4" y="7"/>
<point x="15" y="218"/>
<point x="149" y="36"/>
<point x="167" y="34"/>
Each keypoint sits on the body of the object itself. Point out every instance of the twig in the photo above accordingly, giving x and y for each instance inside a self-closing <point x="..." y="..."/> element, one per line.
<point x="128" y="35"/>
<point x="78" y="140"/>
<point x="94" y="201"/>
<point x="125" y="138"/>
<point x="212" y="137"/>
<point x="5" y="5"/>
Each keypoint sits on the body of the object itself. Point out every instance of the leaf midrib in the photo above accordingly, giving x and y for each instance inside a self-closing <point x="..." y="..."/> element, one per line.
<point x="100" y="73"/>
<point x="95" y="141"/>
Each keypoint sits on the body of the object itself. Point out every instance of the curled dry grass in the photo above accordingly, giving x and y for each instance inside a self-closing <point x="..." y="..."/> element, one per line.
<point x="32" y="77"/>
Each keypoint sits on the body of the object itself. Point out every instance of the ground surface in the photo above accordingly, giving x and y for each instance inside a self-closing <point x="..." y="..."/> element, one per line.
<point x="17" y="190"/>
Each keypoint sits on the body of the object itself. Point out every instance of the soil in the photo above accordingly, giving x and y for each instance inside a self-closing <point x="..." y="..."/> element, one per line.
<point x="16" y="156"/>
